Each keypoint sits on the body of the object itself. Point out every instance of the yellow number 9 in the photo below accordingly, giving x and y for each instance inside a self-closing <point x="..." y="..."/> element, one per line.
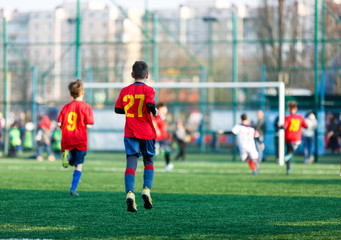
<point x="72" y="121"/>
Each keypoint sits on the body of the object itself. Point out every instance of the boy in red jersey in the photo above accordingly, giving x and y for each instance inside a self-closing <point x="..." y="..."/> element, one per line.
<point x="293" y="132"/>
<point x="161" y="134"/>
<point x="74" y="119"/>
<point x="136" y="101"/>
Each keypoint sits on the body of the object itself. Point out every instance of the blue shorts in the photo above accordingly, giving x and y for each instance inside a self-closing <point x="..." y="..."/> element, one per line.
<point x="76" y="157"/>
<point x="135" y="146"/>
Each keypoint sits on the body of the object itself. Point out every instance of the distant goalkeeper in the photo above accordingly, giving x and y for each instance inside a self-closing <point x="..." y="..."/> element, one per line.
<point x="246" y="137"/>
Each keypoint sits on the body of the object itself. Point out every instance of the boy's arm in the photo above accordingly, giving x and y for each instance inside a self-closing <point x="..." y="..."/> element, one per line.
<point x="224" y="132"/>
<point x="285" y="124"/>
<point x="304" y="123"/>
<point x="88" y="126"/>
<point x="152" y="108"/>
<point x="119" y="110"/>
<point x="157" y="129"/>
<point x="150" y="104"/>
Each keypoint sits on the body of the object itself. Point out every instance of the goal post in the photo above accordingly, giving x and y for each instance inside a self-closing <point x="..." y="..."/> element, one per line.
<point x="206" y="85"/>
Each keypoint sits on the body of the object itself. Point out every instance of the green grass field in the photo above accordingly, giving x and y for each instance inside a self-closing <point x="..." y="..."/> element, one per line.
<point x="206" y="197"/>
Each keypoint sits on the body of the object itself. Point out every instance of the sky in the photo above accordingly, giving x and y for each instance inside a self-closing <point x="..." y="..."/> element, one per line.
<point x="29" y="5"/>
<point x="36" y="5"/>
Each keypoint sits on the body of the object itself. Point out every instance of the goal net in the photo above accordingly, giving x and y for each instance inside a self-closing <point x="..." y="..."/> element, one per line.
<point x="190" y="102"/>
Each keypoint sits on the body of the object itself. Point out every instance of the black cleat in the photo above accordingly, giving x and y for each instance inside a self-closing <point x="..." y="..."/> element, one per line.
<point x="74" y="193"/>
<point x="131" y="205"/>
<point x="147" y="199"/>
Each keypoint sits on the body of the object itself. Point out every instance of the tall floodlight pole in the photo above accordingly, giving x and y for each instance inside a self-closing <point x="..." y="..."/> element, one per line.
<point x="210" y="21"/>
<point x="5" y="72"/>
<point x="155" y="51"/>
<point x="78" y="36"/>
<point x="316" y="65"/>
<point x="203" y="99"/>
<point x="146" y="29"/>
<point x="34" y="102"/>
<point x="234" y="75"/>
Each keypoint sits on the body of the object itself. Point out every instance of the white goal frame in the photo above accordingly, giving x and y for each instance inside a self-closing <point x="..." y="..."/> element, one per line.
<point x="234" y="85"/>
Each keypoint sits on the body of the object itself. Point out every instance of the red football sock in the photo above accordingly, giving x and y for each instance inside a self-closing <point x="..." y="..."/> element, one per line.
<point x="252" y="165"/>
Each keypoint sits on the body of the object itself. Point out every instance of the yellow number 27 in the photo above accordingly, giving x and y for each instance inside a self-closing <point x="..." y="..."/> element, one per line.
<point x="131" y="100"/>
<point x="72" y="121"/>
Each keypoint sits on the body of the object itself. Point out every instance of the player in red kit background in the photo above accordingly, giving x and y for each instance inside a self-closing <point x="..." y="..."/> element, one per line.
<point x="293" y="124"/>
<point x="136" y="101"/>
<point x="160" y="125"/>
<point x="74" y="119"/>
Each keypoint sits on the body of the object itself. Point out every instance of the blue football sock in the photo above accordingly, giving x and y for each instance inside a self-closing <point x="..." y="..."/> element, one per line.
<point x="75" y="180"/>
<point x="129" y="179"/>
<point x="148" y="176"/>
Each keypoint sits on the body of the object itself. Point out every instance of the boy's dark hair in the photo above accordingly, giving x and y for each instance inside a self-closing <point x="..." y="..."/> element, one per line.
<point x="76" y="88"/>
<point x="243" y="117"/>
<point x="140" y="70"/>
<point x="292" y="104"/>
<point x="160" y="105"/>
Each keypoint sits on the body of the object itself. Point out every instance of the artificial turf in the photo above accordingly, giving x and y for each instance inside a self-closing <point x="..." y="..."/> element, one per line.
<point x="206" y="197"/>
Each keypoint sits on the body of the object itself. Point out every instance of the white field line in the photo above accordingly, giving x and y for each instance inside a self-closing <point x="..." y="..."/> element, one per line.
<point x="179" y="170"/>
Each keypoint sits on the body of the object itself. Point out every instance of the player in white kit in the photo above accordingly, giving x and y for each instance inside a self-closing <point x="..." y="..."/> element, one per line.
<point x="246" y="136"/>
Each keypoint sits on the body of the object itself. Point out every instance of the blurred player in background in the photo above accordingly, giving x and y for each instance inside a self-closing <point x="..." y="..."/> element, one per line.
<point x="246" y="137"/>
<point x="136" y="101"/>
<point x="293" y="124"/>
<point x="261" y="129"/>
<point x="44" y="139"/>
<point x="160" y="126"/>
<point x="308" y="135"/>
<point x="15" y="140"/>
<point x="180" y="135"/>
<point x="74" y="120"/>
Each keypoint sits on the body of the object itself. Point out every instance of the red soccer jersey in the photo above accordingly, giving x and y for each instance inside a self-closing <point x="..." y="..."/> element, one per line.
<point x="74" y="117"/>
<point x="133" y="100"/>
<point x="162" y="126"/>
<point x="293" y="127"/>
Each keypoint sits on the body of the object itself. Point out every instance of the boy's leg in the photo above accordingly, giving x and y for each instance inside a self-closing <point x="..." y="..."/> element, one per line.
<point x="129" y="176"/>
<point x="40" y="153"/>
<point x="148" y="178"/>
<point x="253" y="167"/>
<point x="129" y="180"/>
<point x="75" y="179"/>
<point x="148" y="175"/>
<point x="77" y="158"/>
<point x="132" y="147"/>
<point x="65" y="160"/>
<point x="148" y="150"/>
<point x="169" y="166"/>
<point x="253" y="161"/>
<point x="288" y="156"/>
<point x="290" y="151"/>
<point x="50" y="156"/>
